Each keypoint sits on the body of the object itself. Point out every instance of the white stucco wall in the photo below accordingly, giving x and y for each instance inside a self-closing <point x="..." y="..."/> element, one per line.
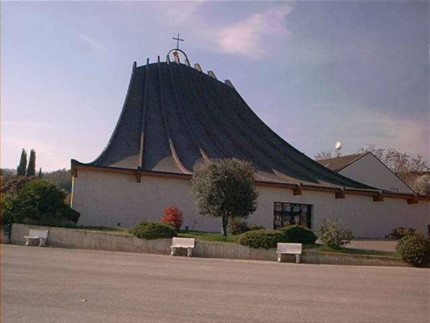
<point x="107" y="199"/>
<point x="369" y="170"/>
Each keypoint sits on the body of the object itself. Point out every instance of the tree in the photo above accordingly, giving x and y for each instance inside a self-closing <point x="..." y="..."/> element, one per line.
<point x="225" y="188"/>
<point x="422" y="184"/>
<point x="22" y="163"/>
<point x="324" y="154"/>
<point x="40" y="174"/>
<point x="38" y="202"/>
<point x="31" y="169"/>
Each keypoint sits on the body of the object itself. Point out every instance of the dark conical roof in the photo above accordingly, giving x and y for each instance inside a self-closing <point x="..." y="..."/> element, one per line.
<point x="175" y="117"/>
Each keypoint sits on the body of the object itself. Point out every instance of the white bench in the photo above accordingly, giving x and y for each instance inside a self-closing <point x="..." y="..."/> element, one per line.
<point x="187" y="243"/>
<point x="41" y="235"/>
<point x="290" y="249"/>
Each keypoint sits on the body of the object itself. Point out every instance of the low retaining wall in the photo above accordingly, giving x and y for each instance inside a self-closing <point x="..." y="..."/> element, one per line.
<point x="86" y="239"/>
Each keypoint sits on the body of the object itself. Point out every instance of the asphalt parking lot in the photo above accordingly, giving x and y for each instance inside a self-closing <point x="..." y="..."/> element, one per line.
<point x="71" y="285"/>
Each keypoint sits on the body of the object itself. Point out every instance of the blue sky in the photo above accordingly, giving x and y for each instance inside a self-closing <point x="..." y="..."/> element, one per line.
<point x="315" y="72"/>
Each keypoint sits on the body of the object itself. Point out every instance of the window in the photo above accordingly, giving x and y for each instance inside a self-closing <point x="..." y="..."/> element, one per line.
<point x="291" y="213"/>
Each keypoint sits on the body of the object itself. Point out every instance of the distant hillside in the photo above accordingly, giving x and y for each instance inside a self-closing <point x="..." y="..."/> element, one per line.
<point x="62" y="178"/>
<point x="7" y="172"/>
<point x="11" y="183"/>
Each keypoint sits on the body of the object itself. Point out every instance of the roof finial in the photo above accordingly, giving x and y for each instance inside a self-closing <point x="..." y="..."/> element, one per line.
<point x="177" y="41"/>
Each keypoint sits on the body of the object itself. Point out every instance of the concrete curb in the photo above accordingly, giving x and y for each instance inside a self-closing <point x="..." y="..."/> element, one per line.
<point x="110" y="241"/>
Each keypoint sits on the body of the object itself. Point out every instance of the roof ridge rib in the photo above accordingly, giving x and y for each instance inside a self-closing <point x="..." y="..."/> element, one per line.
<point x="229" y="135"/>
<point x="166" y="127"/>
<point x="257" y="147"/>
<point x="322" y="171"/>
<point x="203" y="123"/>
<point x="264" y="137"/>
<point x="115" y="131"/>
<point x="142" y="129"/>
<point x="191" y="133"/>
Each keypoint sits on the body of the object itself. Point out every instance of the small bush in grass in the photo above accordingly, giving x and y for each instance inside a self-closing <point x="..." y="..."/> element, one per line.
<point x="253" y="227"/>
<point x="237" y="226"/>
<point x="154" y="230"/>
<point x="334" y="234"/>
<point x="172" y="215"/>
<point x="400" y="232"/>
<point x="299" y="234"/>
<point x="415" y="249"/>
<point x="261" y="238"/>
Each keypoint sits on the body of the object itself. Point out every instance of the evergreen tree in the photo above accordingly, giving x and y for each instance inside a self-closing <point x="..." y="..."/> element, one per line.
<point x="31" y="169"/>
<point x="40" y="173"/>
<point x="225" y="188"/>
<point x="22" y="163"/>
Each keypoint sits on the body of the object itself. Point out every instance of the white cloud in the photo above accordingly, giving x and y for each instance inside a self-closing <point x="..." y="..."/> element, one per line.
<point x="91" y="42"/>
<point x="257" y="36"/>
<point x="406" y="135"/>
<point x="178" y="12"/>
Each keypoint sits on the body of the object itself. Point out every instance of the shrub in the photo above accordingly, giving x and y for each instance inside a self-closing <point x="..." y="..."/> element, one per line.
<point x="154" y="230"/>
<point x="261" y="238"/>
<point x="253" y="227"/>
<point x="299" y="234"/>
<point x="237" y="226"/>
<point x="400" y="232"/>
<point x="415" y="249"/>
<point x="38" y="202"/>
<point x="334" y="234"/>
<point x="173" y="216"/>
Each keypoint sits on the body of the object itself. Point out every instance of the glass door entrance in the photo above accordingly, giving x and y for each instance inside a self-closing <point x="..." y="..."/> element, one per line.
<point x="291" y="213"/>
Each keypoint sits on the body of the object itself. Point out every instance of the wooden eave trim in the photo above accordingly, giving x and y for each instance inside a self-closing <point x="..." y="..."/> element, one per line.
<point x="378" y="198"/>
<point x="340" y="193"/>
<point x="129" y="171"/>
<point x="398" y="195"/>
<point x="276" y="185"/>
<point x="361" y="192"/>
<point x="320" y="188"/>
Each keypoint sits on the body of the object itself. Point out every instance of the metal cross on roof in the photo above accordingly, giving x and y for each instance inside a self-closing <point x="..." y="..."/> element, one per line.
<point x="177" y="41"/>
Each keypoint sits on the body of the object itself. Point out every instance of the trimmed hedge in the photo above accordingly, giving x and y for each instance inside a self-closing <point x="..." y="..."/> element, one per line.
<point x="261" y="238"/>
<point x="415" y="250"/>
<point x="269" y="238"/>
<point x="153" y="230"/>
<point x="299" y="234"/>
<point x="252" y="227"/>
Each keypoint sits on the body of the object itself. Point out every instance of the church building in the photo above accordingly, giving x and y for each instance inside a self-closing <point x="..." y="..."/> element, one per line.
<point x="176" y="117"/>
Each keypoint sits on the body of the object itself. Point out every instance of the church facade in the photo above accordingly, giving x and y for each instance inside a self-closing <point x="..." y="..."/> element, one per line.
<point x="174" y="118"/>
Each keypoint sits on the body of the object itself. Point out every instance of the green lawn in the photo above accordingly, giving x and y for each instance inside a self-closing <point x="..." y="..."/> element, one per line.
<point x="99" y="228"/>
<point x="218" y="237"/>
